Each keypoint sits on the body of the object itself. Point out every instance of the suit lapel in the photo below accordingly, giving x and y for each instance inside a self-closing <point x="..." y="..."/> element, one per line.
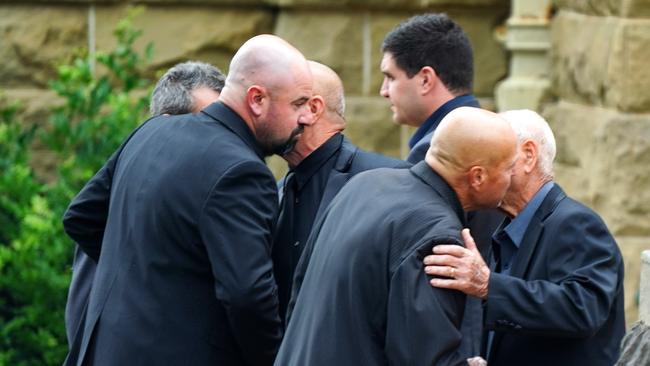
<point x="528" y="245"/>
<point x="338" y="176"/>
<point x="534" y="230"/>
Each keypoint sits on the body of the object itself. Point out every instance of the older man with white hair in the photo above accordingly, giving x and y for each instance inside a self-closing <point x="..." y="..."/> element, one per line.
<point x="553" y="294"/>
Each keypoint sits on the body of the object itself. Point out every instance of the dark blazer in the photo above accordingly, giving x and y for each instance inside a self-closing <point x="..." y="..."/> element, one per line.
<point x="180" y="221"/>
<point x="563" y="303"/>
<point x="83" y="273"/>
<point x="349" y="160"/>
<point x="364" y="298"/>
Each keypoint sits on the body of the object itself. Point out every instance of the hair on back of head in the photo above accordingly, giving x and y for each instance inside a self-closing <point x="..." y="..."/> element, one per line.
<point x="173" y="92"/>
<point x="433" y="40"/>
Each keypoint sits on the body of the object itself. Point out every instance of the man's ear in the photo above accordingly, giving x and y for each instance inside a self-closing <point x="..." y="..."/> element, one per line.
<point x="257" y="100"/>
<point x="477" y="176"/>
<point x="316" y="106"/>
<point x="529" y="154"/>
<point x="427" y="78"/>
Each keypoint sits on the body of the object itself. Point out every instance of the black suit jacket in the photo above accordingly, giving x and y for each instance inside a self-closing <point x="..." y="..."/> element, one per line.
<point x="349" y="161"/>
<point x="364" y="298"/>
<point x="180" y="221"/>
<point x="563" y="302"/>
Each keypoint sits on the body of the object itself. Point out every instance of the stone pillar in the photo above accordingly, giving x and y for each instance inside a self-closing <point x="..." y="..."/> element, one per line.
<point x="528" y="41"/>
<point x="601" y="119"/>
<point x="644" y="296"/>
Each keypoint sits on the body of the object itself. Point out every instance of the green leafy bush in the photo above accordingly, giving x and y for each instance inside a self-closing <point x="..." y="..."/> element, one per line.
<point x="98" y="112"/>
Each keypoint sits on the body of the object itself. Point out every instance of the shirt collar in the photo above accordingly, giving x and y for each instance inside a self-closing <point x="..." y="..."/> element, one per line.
<point x="231" y="120"/>
<point x="314" y="161"/>
<point x="434" y="119"/>
<point x="517" y="227"/>
<point x="433" y="179"/>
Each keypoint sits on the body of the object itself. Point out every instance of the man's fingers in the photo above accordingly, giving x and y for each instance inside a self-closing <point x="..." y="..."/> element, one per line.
<point x="451" y="249"/>
<point x="469" y="241"/>
<point x="445" y="271"/>
<point x="445" y="283"/>
<point x="441" y="260"/>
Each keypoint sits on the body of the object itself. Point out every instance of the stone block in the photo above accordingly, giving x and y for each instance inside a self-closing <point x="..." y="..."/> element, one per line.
<point x="332" y="38"/>
<point x="628" y="74"/>
<point x="35" y="109"/>
<point x="603" y="159"/>
<point x="619" y="8"/>
<point x="644" y="286"/>
<point x="34" y="38"/>
<point x="581" y="50"/>
<point x="421" y="5"/>
<point x="601" y="61"/>
<point x="370" y="125"/>
<point x="181" y="33"/>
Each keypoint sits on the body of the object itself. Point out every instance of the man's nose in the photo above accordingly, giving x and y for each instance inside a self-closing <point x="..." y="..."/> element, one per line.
<point x="383" y="90"/>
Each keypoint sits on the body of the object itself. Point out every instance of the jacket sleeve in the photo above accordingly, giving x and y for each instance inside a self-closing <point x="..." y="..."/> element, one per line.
<point x="423" y="322"/>
<point x="583" y="269"/>
<point x="236" y="229"/>
<point x="85" y="219"/>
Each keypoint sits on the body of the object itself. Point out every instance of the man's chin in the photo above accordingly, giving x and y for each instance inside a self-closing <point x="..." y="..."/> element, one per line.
<point x="288" y="146"/>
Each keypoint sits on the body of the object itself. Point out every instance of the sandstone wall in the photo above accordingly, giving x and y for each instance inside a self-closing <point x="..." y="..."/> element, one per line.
<point x="344" y="34"/>
<point x="602" y="118"/>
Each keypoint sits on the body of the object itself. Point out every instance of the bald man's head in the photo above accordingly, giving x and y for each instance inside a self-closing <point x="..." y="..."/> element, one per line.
<point x="266" y="60"/>
<point x="327" y="106"/>
<point x="268" y="85"/>
<point x="328" y="85"/>
<point x="474" y="150"/>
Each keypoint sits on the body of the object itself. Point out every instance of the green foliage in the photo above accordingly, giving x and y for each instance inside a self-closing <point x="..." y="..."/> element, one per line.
<point x="17" y="184"/>
<point x="100" y="109"/>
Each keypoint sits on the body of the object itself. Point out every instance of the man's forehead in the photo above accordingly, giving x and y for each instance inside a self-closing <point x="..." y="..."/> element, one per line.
<point x="387" y="60"/>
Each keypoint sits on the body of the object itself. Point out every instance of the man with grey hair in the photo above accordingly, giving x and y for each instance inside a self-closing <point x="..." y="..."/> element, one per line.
<point x="553" y="294"/>
<point x="187" y="87"/>
<point x="322" y="161"/>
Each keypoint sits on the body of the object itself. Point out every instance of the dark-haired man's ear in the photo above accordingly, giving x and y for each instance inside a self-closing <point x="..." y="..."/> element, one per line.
<point x="428" y="79"/>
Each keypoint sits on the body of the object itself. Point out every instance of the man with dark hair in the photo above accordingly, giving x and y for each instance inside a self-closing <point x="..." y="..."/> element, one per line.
<point x="320" y="165"/>
<point x="428" y="71"/>
<point x="187" y="87"/>
<point x="180" y="220"/>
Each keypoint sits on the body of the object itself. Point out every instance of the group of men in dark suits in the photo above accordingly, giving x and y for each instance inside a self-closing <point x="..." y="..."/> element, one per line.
<point x="200" y="261"/>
